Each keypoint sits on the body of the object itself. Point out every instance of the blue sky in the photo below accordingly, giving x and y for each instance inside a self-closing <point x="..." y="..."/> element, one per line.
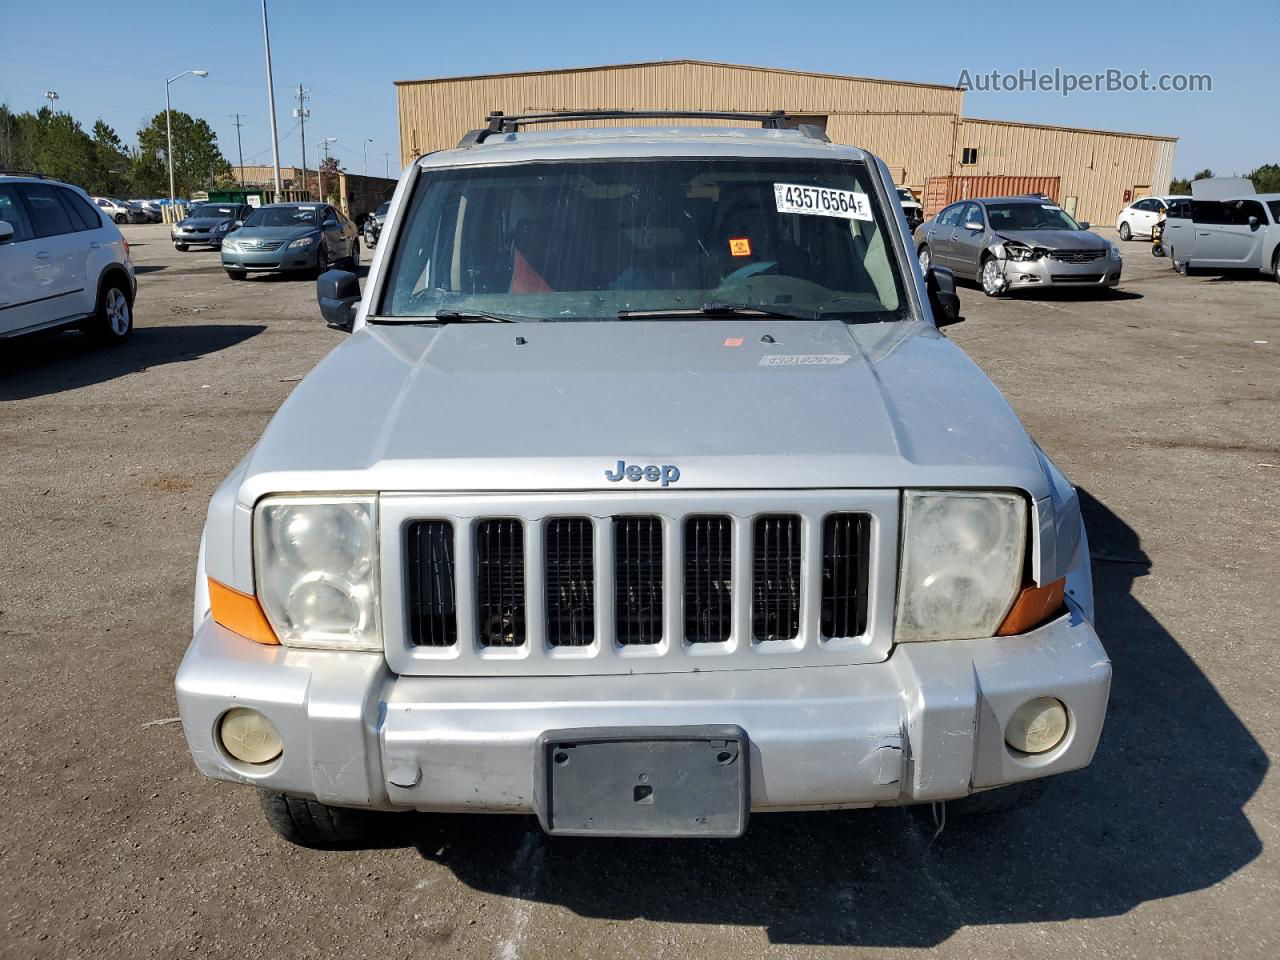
<point x="111" y="59"/>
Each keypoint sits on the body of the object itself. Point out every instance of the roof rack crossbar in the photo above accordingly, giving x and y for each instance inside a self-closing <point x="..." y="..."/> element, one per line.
<point x="498" y="122"/>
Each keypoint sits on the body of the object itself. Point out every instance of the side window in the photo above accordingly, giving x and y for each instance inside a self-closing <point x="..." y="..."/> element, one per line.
<point x="83" y="216"/>
<point x="12" y="213"/>
<point x="47" y="214"/>
<point x="972" y="214"/>
<point x="1207" y="211"/>
<point x="1244" y="209"/>
<point x="950" y="216"/>
<point x="1149" y="205"/>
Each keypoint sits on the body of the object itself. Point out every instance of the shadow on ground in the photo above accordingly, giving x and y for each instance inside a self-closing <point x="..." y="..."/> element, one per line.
<point x="1159" y="813"/>
<point x="40" y="365"/>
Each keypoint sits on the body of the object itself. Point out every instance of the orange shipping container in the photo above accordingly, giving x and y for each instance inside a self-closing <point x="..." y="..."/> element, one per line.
<point x="940" y="191"/>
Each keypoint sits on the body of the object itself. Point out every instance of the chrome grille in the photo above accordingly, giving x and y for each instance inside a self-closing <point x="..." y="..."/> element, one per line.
<point x="775" y="579"/>
<point x="586" y="583"/>
<point x="708" y="579"/>
<point x="433" y="610"/>
<point x="570" y="577"/>
<point x="1077" y="256"/>
<point x="500" y="602"/>
<point x="637" y="566"/>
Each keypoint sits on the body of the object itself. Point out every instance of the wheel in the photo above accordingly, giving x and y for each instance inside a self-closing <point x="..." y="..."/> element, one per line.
<point x="1275" y="266"/>
<point x="180" y="247"/>
<point x="354" y="259"/>
<point x="120" y="218"/>
<point x="992" y="277"/>
<point x="926" y="259"/>
<point x="322" y="259"/>
<point x="1125" y="232"/>
<point x="236" y="274"/>
<point x="113" y="321"/>
<point x="310" y="823"/>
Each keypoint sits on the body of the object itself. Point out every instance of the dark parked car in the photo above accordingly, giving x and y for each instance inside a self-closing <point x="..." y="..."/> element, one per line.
<point x="286" y="237"/>
<point x="1016" y="243"/>
<point x="208" y="224"/>
<point x="373" y="224"/>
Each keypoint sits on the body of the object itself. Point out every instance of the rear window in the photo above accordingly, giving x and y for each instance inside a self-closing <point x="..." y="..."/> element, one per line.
<point x="588" y="240"/>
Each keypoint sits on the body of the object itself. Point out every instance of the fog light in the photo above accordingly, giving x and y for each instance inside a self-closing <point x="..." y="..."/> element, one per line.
<point x="1036" y="726"/>
<point x="249" y="736"/>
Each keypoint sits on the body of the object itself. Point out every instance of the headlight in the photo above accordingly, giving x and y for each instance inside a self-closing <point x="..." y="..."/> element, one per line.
<point x="1114" y="252"/>
<point x="222" y="227"/>
<point x="302" y="242"/>
<point x="962" y="556"/>
<point x="316" y="567"/>
<point x="230" y="246"/>
<point x="1019" y="252"/>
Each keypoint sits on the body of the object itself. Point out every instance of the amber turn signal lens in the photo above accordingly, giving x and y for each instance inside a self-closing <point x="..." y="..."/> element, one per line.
<point x="1033" y="607"/>
<point x="239" y="613"/>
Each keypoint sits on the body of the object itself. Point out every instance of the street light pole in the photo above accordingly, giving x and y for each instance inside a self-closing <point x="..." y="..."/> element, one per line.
<point x="368" y="140"/>
<point x="271" y="103"/>
<point x="52" y="97"/>
<point x="168" y="123"/>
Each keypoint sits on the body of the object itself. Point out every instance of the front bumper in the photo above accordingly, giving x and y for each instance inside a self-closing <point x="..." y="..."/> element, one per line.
<point x="927" y="724"/>
<point x="197" y="239"/>
<point x="270" y="261"/>
<point x="1048" y="272"/>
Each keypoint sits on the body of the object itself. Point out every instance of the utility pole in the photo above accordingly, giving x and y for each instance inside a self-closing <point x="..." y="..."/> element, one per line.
<point x="271" y="102"/>
<point x="323" y="145"/>
<point x="367" y="141"/>
<point x="301" y="112"/>
<point x="386" y="157"/>
<point x="239" y="149"/>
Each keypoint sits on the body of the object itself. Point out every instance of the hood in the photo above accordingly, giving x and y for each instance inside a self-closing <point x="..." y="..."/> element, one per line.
<point x="464" y="407"/>
<point x="204" y="222"/>
<point x="274" y="233"/>
<point x="1057" y="239"/>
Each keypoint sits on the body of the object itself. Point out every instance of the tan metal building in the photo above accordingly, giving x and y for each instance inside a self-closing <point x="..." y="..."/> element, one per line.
<point x="917" y="128"/>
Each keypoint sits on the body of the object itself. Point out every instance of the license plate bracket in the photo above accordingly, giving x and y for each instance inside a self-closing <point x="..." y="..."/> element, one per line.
<point x="646" y="781"/>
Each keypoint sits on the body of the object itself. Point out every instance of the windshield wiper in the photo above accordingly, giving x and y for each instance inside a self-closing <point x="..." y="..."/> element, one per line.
<point x="473" y="316"/>
<point x="718" y="310"/>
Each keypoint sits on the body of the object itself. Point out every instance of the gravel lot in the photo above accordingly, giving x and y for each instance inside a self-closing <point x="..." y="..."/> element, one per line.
<point x="1160" y="401"/>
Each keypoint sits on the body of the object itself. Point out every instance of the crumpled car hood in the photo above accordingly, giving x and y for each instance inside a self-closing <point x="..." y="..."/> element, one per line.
<point x="465" y="407"/>
<point x="1057" y="239"/>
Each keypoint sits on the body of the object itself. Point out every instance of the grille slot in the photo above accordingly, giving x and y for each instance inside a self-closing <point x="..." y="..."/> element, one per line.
<point x="637" y="548"/>
<point x="708" y="579"/>
<point x="500" y="604"/>
<point x="775" y="581"/>
<point x="433" y="612"/>
<point x="570" y="580"/>
<point x="846" y="546"/>
<point x="1077" y="256"/>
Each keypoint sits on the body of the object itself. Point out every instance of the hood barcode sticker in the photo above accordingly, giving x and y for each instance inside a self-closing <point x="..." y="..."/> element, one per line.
<point x="804" y="360"/>
<point x="821" y="201"/>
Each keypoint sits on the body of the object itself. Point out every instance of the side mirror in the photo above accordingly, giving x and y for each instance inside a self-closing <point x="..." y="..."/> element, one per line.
<point x="6" y="231"/>
<point x="940" y="283"/>
<point x="238" y="224"/>
<point x="1254" y="223"/>
<point x="973" y="225"/>
<point x="1084" y="224"/>
<point x="338" y="292"/>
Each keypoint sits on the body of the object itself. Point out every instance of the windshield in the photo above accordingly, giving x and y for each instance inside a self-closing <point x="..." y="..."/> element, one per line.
<point x="382" y="210"/>
<point x="905" y="194"/>
<point x="213" y="212"/>
<point x="1274" y="207"/>
<point x="592" y="239"/>
<point x="284" y="217"/>
<point x="1029" y="216"/>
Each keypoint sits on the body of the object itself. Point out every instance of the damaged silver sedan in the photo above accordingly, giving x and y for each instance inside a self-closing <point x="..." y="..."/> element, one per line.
<point x="1008" y="244"/>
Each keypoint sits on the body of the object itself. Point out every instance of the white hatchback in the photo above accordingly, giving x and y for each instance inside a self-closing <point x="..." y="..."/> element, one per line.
<point x="1137" y="219"/>
<point x="62" y="262"/>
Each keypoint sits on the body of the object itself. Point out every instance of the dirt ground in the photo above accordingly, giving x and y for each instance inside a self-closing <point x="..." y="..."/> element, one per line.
<point x="1160" y="402"/>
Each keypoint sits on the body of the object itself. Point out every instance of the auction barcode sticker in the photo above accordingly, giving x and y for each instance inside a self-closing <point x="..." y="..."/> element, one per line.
<point x="821" y="201"/>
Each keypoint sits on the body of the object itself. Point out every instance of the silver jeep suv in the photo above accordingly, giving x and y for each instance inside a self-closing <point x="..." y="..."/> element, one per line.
<point x="659" y="500"/>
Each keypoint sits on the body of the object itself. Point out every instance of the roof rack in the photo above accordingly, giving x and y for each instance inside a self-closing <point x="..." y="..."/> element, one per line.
<point x="28" y="173"/>
<point x="498" y="122"/>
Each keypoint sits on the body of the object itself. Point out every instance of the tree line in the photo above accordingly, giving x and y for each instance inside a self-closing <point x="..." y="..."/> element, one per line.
<point x="1266" y="179"/>
<point x="99" y="162"/>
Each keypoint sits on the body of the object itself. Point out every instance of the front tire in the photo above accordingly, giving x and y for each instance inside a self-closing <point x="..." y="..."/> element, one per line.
<point x="322" y="259"/>
<point x="354" y="260"/>
<point x="926" y="259"/>
<point x="1125" y="232"/>
<point x="992" y="277"/>
<point x="180" y="247"/>
<point x="236" y="274"/>
<point x="310" y="823"/>
<point x="120" y="218"/>
<point x="112" y="324"/>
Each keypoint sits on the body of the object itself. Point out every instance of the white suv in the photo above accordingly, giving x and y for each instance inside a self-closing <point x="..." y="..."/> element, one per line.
<point x="62" y="262"/>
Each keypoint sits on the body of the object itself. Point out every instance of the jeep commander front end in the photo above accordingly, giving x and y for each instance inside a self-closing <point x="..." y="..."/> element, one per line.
<point x="645" y="495"/>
